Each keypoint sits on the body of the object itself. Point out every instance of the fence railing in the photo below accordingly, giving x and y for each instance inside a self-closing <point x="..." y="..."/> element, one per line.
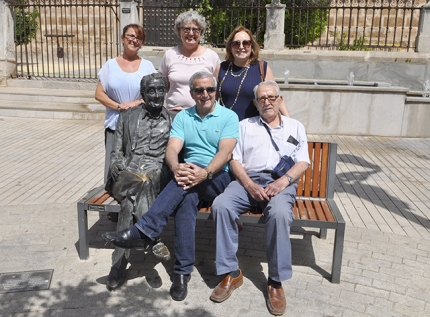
<point x="73" y="38"/>
<point x="222" y="17"/>
<point x="317" y="24"/>
<point x="354" y="24"/>
<point x="64" y="39"/>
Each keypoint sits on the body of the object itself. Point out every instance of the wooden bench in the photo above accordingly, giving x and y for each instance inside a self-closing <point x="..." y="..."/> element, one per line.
<point x="314" y="208"/>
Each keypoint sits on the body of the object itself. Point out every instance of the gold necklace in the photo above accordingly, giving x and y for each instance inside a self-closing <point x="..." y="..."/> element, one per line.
<point x="230" y="68"/>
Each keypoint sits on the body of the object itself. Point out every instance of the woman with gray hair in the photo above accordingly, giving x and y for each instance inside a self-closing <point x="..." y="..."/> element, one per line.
<point x="181" y="61"/>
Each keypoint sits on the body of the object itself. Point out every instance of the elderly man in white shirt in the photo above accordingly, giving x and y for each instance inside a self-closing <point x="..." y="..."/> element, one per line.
<point x="262" y="141"/>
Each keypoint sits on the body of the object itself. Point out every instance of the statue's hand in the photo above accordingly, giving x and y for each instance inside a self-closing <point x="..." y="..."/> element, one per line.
<point x="116" y="170"/>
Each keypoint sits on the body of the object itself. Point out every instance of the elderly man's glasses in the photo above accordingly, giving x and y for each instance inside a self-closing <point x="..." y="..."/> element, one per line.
<point x="188" y="30"/>
<point x="199" y="91"/>
<point x="132" y="37"/>
<point x="262" y="100"/>
<point x="236" y="44"/>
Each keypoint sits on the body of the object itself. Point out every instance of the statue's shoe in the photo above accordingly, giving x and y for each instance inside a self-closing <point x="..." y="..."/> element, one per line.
<point x="115" y="278"/>
<point x="123" y="239"/>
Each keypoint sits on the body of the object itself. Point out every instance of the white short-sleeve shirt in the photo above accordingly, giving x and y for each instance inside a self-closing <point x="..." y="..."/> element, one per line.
<point x="255" y="150"/>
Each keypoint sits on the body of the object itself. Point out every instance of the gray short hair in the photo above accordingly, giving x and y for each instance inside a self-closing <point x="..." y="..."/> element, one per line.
<point x="267" y="83"/>
<point x="201" y="75"/>
<point x="189" y="16"/>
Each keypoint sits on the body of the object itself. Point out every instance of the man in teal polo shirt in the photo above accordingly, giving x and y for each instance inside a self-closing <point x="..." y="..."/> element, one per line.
<point x="207" y="133"/>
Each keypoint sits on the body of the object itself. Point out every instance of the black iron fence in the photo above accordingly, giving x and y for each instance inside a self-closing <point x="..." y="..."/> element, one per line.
<point x="353" y="24"/>
<point x="73" y="38"/>
<point x="222" y="16"/>
<point x="319" y="24"/>
<point x="68" y="39"/>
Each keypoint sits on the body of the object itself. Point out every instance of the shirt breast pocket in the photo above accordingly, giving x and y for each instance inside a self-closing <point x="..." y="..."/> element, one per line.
<point x="288" y="148"/>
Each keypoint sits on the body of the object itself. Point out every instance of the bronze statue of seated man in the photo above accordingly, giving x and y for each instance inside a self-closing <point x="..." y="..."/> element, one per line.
<point x="138" y="171"/>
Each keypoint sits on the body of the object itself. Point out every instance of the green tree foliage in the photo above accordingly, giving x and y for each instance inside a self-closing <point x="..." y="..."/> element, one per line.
<point x="305" y="21"/>
<point x="25" y="25"/>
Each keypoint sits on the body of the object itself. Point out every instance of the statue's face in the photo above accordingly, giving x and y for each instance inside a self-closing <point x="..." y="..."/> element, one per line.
<point x="154" y="94"/>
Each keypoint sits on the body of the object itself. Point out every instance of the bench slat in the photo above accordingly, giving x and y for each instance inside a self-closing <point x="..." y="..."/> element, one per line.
<point x="99" y="198"/>
<point x="319" y="211"/>
<point x="296" y="211"/>
<point x="324" y="171"/>
<point x="311" y="210"/>
<point x="317" y="169"/>
<point x="327" y="212"/>
<point x="302" y="210"/>
<point x="306" y="179"/>
<point x="111" y="201"/>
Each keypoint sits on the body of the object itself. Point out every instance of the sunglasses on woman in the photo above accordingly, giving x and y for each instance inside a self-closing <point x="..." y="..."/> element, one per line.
<point x="245" y="44"/>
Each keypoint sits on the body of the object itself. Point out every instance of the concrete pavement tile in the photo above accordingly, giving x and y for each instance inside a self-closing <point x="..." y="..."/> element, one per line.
<point x="410" y="253"/>
<point x="352" y="279"/>
<point x="423" y="259"/>
<point x="307" y="307"/>
<point x="408" y="310"/>
<point x="381" y="306"/>
<point x="368" y="290"/>
<point x="421" y="281"/>
<point x="387" y="284"/>
<point x="390" y="258"/>
<point x="347" y="303"/>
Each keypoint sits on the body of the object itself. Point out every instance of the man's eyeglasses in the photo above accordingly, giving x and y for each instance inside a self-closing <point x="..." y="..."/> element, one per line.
<point x="236" y="44"/>
<point x="262" y="100"/>
<point x="199" y="91"/>
<point x="188" y="30"/>
<point x="132" y="37"/>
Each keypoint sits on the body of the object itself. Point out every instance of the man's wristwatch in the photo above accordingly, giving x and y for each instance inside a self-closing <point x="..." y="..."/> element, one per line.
<point x="290" y="179"/>
<point x="210" y="174"/>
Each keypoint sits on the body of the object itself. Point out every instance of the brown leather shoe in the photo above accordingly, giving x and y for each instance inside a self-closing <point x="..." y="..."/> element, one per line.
<point x="276" y="302"/>
<point x="224" y="289"/>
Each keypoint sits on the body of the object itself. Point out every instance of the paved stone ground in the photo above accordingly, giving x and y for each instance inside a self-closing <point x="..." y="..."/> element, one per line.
<point x="382" y="190"/>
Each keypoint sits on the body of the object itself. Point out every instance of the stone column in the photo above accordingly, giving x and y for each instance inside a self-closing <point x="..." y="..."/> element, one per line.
<point x="128" y="13"/>
<point x="7" y="45"/>
<point x="423" y="38"/>
<point x="274" y="39"/>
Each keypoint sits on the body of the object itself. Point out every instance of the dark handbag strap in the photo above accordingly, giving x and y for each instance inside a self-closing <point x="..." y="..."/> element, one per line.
<point x="273" y="141"/>
<point x="262" y="70"/>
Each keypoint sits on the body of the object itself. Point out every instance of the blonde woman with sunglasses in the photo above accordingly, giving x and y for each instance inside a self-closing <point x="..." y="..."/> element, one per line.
<point x="240" y="73"/>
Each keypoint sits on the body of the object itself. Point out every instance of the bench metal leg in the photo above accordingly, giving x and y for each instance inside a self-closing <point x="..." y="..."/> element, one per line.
<point x="337" y="253"/>
<point x="83" y="232"/>
<point x="323" y="233"/>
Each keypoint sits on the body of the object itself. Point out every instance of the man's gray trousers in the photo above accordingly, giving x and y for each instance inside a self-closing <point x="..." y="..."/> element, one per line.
<point x="235" y="200"/>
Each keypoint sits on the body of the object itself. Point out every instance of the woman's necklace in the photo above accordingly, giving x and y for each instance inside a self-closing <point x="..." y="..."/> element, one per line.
<point x="230" y="68"/>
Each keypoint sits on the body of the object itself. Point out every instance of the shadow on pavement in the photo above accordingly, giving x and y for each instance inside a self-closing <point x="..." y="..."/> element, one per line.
<point x="350" y="182"/>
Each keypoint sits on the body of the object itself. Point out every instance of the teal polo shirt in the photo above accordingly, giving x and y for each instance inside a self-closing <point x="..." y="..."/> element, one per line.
<point x="201" y="137"/>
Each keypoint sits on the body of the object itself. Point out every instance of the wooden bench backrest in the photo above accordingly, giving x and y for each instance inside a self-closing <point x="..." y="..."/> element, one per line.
<point x="318" y="180"/>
